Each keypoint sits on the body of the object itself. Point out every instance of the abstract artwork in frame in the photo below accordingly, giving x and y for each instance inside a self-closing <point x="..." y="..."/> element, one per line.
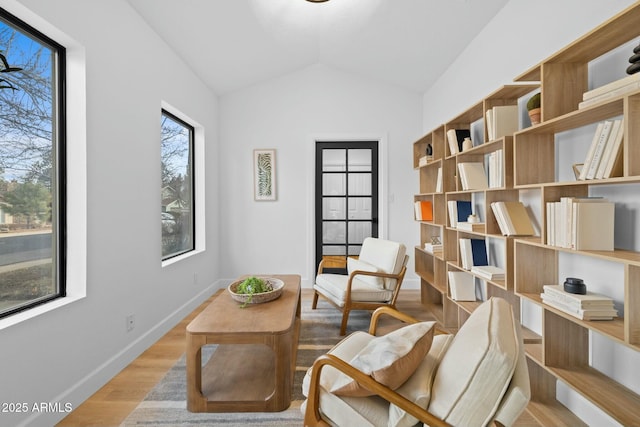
<point x="264" y="174"/>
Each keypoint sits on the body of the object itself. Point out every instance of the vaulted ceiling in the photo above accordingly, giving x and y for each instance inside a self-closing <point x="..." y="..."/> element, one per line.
<point x="231" y="44"/>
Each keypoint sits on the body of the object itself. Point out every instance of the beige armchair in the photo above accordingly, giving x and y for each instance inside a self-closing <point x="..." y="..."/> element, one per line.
<point x="373" y="280"/>
<point x="477" y="377"/>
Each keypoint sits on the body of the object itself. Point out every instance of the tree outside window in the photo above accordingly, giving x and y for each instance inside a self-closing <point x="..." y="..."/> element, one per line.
<point x="177" y="210"/>
<point x="31" y="167"/>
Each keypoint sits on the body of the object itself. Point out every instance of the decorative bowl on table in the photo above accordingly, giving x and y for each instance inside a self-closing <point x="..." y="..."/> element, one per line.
<point x="276" y="286"/>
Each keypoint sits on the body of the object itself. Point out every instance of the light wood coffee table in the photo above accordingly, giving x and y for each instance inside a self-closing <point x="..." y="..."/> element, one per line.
<point x="253" y="364"/>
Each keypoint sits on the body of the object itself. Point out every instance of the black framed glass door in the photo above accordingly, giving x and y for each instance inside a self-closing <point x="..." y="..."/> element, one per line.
<point x="346" y="195"/>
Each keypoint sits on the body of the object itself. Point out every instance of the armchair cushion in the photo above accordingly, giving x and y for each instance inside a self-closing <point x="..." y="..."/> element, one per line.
<point x="390" y="359"/>
<point x="345" y="410"/>
<point x="476" y="370"/>
<point x="418" y="387"/>
<point x="387" y="255"/>
<point x="334" y="287"/>
<point x="354" y="264"/>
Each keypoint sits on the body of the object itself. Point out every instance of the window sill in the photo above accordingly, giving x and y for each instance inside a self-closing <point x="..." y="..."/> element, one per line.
<point x="37" y="311"/>
<point x="179" y="258"/>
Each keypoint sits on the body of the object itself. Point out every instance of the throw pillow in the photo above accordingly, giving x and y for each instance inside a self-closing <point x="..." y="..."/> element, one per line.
<point x="390" y="359"/>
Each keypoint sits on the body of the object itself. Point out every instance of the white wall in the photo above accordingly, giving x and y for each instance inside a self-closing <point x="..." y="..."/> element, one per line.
<point x="521" y="35"/>
<point x="506" y="48"/>
<point x="67" y="354"/>
<point x="287" y="113"/>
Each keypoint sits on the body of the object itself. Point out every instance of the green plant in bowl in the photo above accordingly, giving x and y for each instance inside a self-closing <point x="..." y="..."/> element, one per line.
<point x="253" y="285"/>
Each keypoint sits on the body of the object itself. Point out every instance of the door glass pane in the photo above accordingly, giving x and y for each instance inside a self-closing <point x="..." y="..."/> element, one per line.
<point x="354" y="250"/>
<point x="334" y="160"/>
<point x="360" y="184"/>
<point x="359" y="208"/>
<point x="333" y="208"/>
<point x="334" y="232"/>
<point x="360" y="160"/>
<point x="358" y="231"/>
<point x="333" y="184"/>
<point x="333" y="250"/>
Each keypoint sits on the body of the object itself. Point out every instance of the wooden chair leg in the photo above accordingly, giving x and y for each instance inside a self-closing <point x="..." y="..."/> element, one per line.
<point x="345" y="318"/>
<point x="315" y="300"/>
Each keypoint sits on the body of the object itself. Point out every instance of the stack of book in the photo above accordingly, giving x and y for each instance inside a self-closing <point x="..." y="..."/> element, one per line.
<point x="591" y="306"/>
<point x="512" y="218"/>
<point x="612" y="90"/>
<point x="424" y="160"/>
<point x="476" y="227"/>
<point x="581" y="223"/>
<point x="488" y="272"/>
<point x="472" y="176"/>
<point x="604" y="158"/>
<point x="433" y="248"/>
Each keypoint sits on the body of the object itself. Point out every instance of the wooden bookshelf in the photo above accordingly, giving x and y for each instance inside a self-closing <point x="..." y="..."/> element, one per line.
<point x="561" y="352"/>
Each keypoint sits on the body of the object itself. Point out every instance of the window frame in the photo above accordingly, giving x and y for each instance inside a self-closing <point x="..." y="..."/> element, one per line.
<point x="59" y="163"/>
<point x="192" y="127"/>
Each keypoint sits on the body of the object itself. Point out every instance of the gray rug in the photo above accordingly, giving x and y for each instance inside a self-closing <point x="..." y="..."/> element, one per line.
<point x="165" y="405"/>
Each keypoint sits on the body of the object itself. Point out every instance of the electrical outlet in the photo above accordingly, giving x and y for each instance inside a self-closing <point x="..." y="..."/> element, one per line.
<point x="195" y="278"/>
<point x="131" y="322"/>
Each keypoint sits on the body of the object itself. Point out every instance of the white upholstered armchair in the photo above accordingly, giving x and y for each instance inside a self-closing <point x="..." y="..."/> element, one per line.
<point x="373" y="280"/>
<point x="414" y="375"/>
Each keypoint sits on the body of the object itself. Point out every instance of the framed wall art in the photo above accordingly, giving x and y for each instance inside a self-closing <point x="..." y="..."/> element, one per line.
<point x="264" y="174"/>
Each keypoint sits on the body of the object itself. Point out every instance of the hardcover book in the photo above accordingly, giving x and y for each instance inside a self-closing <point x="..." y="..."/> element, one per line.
<point x="462" y="286"/>
<point x="473" y="176"/>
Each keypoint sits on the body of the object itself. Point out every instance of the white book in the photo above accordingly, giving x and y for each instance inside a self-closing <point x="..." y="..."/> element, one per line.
<point x="489" y="272"/>
<point x="631" y="87"/>
<point x="500" y="219"/>
<point x="495" y="169"/>
<point x="583" y="314"/>
<point x="452" y="207"/>
<point x="616" y="130"/>
<point x="614" y="156"/>
<point x="466" y="254"/>
<point x="594" y="226"/>
<point x="472" y="176"/>
<point x="462" y="286"/>
<point x="592" y="148"/>
<point x="505" y="120"/>
<point x="597" y="154"/>
<point x="489" y="121"/>
<point x="550" y="223"/>
<point x="581" y="300"/>
<point x="609" y="87"/>
<point x="439" y="181"/>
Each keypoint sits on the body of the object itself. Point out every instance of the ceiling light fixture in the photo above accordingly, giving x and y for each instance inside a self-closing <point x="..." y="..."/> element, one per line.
<point x="317" y="1"/>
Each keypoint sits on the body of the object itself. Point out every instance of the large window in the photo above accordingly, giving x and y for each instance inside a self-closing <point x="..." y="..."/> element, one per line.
<point x="177" y="187"/>
<point x="32" y="167"/>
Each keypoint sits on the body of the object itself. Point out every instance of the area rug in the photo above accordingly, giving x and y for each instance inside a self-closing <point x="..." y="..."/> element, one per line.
<point x="165" y="405"/>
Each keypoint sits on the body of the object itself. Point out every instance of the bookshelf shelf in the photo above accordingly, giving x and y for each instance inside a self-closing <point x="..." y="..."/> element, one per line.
<point x="530" y="163"/>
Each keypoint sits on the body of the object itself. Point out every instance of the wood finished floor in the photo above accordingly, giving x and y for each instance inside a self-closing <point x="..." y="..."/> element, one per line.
<point x="110" y="405"/>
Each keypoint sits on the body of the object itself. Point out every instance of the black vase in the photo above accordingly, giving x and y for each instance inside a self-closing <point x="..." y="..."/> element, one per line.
<point x="635" y="61"/>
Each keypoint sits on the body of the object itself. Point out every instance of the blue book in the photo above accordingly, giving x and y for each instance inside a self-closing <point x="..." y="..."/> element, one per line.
<point x="464" y="210"/>
<point x="479" y="251"/>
